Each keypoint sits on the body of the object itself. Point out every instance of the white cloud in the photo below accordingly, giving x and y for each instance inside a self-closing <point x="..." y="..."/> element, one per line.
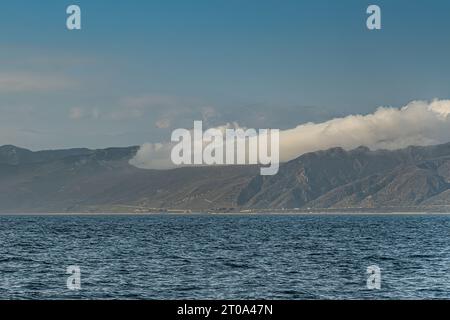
<point x="418" y="123"/>
<point x="153" y="156"/>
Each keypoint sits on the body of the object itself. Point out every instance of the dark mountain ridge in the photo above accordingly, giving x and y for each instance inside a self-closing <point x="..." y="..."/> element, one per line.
<point x="311" y="179"/>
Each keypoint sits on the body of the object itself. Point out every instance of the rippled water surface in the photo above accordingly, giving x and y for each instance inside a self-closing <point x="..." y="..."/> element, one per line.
<point x="225" y="257"/>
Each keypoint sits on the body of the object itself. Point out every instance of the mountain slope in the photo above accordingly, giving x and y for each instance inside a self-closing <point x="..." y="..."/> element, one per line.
<point x="95" y="180"/>
<point x="357" y="178"/>
<point x="83" y="180"/>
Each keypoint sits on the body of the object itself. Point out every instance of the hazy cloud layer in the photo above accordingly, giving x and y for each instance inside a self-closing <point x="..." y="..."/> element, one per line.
<point x="418" y="123"/>
<point x="17" y="82"/>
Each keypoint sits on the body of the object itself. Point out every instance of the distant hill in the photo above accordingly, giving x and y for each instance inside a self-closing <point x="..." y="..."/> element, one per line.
<point x="359" y="178"/>
<point x="84" y="180"/>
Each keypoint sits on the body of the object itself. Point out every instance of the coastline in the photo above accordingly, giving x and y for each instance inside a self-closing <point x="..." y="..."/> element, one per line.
<point x="285" y="213"/>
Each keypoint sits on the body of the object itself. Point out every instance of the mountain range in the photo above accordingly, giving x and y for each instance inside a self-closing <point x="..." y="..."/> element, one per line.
<point x="84" y="180"/>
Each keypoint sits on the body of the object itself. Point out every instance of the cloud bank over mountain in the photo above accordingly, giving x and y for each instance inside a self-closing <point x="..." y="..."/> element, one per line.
<point x="418" y="123"/>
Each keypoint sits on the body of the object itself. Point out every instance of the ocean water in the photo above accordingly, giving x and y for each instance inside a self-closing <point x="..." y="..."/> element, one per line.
<point x="225" y="257"/>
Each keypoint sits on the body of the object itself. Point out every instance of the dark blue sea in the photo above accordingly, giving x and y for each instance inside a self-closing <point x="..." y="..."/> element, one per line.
<point x="225" y="257"/>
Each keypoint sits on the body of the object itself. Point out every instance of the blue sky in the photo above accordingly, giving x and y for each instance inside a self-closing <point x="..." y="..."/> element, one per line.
<point x="139" y="69"/>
